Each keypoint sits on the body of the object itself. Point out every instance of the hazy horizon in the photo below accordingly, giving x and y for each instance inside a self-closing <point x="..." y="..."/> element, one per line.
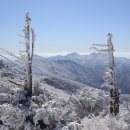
<point x="116" y="54"/>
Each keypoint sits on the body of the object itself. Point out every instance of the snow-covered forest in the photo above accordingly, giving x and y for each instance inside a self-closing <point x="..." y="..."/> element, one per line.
<point x="34" y="98"/>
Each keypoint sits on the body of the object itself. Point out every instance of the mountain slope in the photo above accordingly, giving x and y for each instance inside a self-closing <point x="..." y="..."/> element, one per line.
<point x="85" y="69"/>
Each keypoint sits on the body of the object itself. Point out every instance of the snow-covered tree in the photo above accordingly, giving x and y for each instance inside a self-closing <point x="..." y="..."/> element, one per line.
<point x="26" y="59"/>
<point x="110" y="74"/>
<point x="29" y="43"/>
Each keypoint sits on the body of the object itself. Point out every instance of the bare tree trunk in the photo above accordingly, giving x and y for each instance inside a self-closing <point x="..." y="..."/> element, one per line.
<point x="29" y="50"/>
<point x="114" y="93"/>
<point x="30" y="80"/>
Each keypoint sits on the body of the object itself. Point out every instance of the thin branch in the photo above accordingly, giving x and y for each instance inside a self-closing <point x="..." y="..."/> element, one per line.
<point x="22" y="43"/>
<point x="24" y="38"/>
<point x="102" y="45"/>
<point x="15" y="83"/>
<point x="5" y="58"/>
<point x="8" y="53"/>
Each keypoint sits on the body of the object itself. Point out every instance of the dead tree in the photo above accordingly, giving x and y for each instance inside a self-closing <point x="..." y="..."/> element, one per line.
<point x="29" y="43"/>
<point x="26" y="59"/>
<point x="110" y="74"/>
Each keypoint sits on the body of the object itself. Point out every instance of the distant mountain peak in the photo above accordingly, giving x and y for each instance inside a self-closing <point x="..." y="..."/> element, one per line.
<point x="75" y="54"/>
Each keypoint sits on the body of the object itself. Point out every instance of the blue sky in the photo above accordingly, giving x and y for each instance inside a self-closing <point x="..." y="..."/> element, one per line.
<point x="64" y="26"/>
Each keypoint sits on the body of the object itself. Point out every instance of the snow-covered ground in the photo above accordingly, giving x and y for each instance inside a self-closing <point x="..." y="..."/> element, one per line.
<point x="56" y="109"/>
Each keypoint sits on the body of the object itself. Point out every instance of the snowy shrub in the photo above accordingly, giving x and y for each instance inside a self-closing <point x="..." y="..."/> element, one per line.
<point x="4" y="88"/>
<point x="11" y="117"/>
<point x="46" y="95"/>
<point x="47" y="117"/>
<point x="27" y="126"/>
<point x="68" y="112"/>
<point x="88" y="102"/>
<point x="33" y="107"/>
<point x="73" y="126"/>
<point x="4" y="127"/>
<point x="104" y="123"/>
<point x="9" y="98"/>
<point x="42" y="92"/>
<point x="36" y="87"/>
<point x="38" y="100"/>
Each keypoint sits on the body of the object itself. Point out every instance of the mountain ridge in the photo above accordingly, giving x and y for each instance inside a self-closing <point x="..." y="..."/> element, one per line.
<point x="85" y="69"/>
